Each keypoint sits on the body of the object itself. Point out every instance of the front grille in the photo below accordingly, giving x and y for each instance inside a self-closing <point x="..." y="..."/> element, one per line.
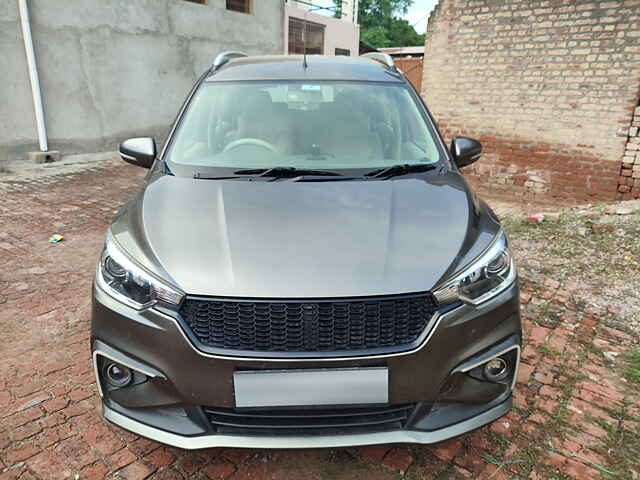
<point x="308" y="326"/>
<point x="308" y="422"/>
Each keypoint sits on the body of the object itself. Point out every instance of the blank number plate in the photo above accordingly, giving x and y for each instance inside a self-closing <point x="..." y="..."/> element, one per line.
<point x="287" y="388"/>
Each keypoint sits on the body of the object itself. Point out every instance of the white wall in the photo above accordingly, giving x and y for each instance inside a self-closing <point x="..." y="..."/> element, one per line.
<point x="110" y="69"/>
<point x="337" y="34"/>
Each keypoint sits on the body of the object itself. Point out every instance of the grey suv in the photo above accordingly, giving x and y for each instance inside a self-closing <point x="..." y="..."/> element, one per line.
<point x="304" y="266"/>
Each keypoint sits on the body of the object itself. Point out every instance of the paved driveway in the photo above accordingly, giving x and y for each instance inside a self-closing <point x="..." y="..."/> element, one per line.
<point x="574" y="414"/>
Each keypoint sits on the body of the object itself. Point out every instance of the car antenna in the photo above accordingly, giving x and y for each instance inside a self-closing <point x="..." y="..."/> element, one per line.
<point x="304" y="41"/>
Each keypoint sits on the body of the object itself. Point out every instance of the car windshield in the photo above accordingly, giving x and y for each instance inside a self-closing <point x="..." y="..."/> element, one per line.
<point x="304" y="125"/>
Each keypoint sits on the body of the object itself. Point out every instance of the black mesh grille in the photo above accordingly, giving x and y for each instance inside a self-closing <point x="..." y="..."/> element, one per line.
<point x="316" y="326"/>
<point x="308" y="422"/>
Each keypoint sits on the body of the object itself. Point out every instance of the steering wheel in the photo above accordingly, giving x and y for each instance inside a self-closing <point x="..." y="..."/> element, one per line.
<point x="250" y="141"/>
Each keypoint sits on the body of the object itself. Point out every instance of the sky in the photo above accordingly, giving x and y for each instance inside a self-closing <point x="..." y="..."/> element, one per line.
<point x="416" y="16"/>
<point x="419" y="13"/>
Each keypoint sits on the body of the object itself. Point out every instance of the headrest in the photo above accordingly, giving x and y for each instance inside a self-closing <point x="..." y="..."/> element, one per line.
<point x="257" y="102"/>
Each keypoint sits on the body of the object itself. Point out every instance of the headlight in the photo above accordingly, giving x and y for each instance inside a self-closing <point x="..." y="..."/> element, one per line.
<point x="123" y="279"/>
<point x="487" y="276"/>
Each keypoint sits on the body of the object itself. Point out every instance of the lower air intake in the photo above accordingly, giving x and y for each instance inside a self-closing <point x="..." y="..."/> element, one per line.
<point x="322" y="421"/>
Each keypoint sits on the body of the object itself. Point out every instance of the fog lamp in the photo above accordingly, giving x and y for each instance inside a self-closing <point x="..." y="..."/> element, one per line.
<point x="118" y="375"/>
<point x="496" y="369"/>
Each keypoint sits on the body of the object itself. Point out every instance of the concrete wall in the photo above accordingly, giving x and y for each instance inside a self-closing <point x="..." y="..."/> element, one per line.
<point x="110" y="69"/>
<point x="338" y="33"/>
<point x="549" y="86"/>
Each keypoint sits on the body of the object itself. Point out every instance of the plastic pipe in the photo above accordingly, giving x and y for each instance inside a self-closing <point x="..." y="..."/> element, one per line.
<point x="33" y="75"/>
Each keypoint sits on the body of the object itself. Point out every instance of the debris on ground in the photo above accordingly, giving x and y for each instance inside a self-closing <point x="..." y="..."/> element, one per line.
<point x="602" y="227"/>
<point x="56" y="238"/>
<point x="594" y="249"/>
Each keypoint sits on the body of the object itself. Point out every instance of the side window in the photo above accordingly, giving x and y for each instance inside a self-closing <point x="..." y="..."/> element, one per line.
<point x="242" y="6"/>
<point x="314" y="33"/>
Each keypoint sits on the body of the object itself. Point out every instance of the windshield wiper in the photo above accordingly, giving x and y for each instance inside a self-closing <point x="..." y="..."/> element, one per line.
<point x="273" y="172"/>
<point x="199" y="176"/>
<point x="400" y="169"/>
<point x="285" y="172"/>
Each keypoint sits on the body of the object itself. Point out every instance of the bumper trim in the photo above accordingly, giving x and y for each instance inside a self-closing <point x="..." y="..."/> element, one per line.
<point x="328" y="441"/>
<point x="516" y="347"/>
<point x="100" y="349"/>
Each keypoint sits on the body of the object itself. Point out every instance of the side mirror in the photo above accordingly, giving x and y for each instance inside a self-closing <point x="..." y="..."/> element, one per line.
<point x="138" y="151"/>
<point x="465" y="151"/>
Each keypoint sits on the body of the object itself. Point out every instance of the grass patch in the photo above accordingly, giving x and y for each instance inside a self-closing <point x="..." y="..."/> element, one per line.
<point x="513" y="226"/>
<point x="569" y="250"/>
<point x="567" y="388"/>
<point x="591" y="348"/>
<point x="499" y="440"/>
<point x="632" y="371"/>
<point x="607" y="426"/>
<point x="622" y="446"/>
<point x="617" y="413"/>
<point x="562" y="409"/>
<point x="547" y="350"/>
<point x="523" y="411"/>
<point x="549" y="473"/>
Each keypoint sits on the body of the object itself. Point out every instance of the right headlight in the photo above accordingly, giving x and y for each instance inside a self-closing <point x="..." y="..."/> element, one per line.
<point x="126" y="281"/>
<point x="488" y="275"/>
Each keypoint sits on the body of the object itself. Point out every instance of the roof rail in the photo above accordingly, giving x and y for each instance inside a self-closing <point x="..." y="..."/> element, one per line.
<point x="383" y="58"/>
<point x="224" y="58"/>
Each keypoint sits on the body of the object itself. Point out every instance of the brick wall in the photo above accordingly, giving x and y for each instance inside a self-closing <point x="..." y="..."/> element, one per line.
<point x="548" y="86"/>
<point x="629" y="184"/>
<point x="412" y="68"/>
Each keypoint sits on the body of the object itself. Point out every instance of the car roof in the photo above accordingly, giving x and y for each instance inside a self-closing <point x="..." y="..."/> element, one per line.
<point x="319" y="67"/>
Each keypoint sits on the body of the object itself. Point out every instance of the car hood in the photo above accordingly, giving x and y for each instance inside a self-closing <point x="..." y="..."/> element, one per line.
<point x="288" y="239"/>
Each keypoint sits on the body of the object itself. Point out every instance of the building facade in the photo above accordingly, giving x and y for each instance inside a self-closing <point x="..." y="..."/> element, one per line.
<point x="112" y="69"/>
<point x="321" y="34"/>
<point x="550" y="87"/>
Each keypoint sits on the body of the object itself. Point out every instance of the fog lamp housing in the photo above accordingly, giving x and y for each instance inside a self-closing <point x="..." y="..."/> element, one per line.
<point x="496" y="369"/>
<point x="117" y="375"/>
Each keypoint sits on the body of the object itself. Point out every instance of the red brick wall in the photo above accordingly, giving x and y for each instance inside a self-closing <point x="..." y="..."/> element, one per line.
<point x="629" y="184"/>
<point x="548" y="86"/>
<point x="412" y="68"/>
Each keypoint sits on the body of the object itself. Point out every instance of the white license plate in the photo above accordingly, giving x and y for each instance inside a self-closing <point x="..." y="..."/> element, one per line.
<point x="287" y="388"/>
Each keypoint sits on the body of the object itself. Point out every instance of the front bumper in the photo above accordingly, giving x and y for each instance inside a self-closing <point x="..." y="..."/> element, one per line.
<point x="179" y="379"/>
<point x="325" y="441"/>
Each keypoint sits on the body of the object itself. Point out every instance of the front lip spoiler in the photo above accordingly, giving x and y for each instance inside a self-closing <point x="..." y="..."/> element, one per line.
<point x="289" y="442"/>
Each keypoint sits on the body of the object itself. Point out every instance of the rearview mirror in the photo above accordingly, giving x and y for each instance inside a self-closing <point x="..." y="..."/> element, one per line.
<point x="465" y="151"/>
<point x="138" y="151"/>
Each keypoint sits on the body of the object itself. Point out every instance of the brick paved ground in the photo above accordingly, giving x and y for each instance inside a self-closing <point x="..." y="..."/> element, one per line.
<point x="574" y="414"/>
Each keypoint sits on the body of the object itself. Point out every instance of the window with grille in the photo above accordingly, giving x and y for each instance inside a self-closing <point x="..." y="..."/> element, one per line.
<point x="314" y="37"/>
<point x="243" y="6"/>
<point x="343" y="51"/>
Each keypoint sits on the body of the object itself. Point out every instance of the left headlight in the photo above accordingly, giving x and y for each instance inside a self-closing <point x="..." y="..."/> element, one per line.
<point x="491" y="273"/>
<point x="126" y="281"/>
